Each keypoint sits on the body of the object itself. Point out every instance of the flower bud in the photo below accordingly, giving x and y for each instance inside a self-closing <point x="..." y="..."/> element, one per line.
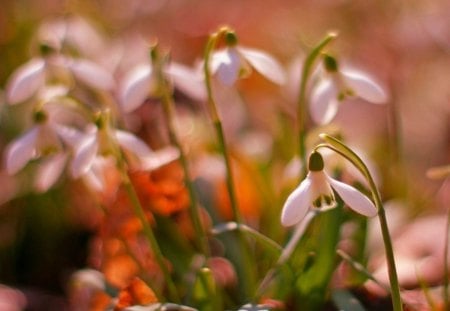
<point x="315" y="162"/>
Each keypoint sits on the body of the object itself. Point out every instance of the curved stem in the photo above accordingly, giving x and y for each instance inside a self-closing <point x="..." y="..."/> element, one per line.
<point x="340" y="148"/>
<point x="302" y="102"/>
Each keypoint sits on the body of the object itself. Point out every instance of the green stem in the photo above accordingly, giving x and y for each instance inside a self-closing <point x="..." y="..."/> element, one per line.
<point x="148" y="232"/>
<point x="218" y="124"/>
<point x="340" y="148"/>
<point x="247" y="274"/>
<point x="168" y="107"/>
<point x="302" y="101"/>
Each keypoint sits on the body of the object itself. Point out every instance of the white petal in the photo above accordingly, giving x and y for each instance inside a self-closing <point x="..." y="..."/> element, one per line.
<point x="159" y="158"/>
<point x="264" y="64"/>
<point x="132" y="143"/>
<point x="96" y="176"/>
<point x="297" y="204"/>
<point x="353" y="198"/>
<point x="324" y="103"/>
<point x="136" y="86"/>
<point x="69" y="135"/>
<point x="187" y="80"/>
<point x="229" y="64"/>
<point x="51" y="92"/>
<point x="365" y="87"/>
<point x="26" y="81"/>
<point x="21" y="151"/>
<point x="91" y="74"/>
<point x="84" y="156"/>
<point x="49" y="171"/>
<point x="94" y="181"/>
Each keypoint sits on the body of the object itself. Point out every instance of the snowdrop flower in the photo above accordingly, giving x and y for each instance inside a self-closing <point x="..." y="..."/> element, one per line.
<point x="46" y="139"/>
<point x="99" y="142"/>
<point x="142" y="82"/>
<point x="234" y="62"/>
<point x="41" y="139"/>
<point x="316" y="193"/>
<point x="338" y="85"/>
<point x="29" y="78"/>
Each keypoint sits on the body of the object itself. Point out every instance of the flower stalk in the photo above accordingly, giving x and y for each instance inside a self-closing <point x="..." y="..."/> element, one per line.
<point x="340" y="148"/>
<point x="245" y="268"/>
<point x="302" y="101"/>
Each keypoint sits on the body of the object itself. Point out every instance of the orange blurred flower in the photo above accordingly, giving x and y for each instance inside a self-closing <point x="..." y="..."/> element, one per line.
<point x="136" y="293"/>
<point x="247" y="193"/>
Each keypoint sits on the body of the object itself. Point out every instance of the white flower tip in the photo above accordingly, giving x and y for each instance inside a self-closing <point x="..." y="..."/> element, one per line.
<point x="287" y="221"/>
<point x="21" y="151"/>
<point x="159" y="158"/>
<point x="136" y="86"/>
<point x="297" y="204"/>
<point x="354" y="199"/>
<point x="265" y="64"/>
<point x="92" y="74"/>
<point x="25" y="81"/>
<point x="49" y="172"/>
<point x="365" y="87"/>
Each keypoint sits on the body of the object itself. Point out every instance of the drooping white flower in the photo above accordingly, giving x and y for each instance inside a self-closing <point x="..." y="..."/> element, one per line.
<point x="45" y="140"/>
<point x="142" y="82"/>
<point x="339" y="84"/>
<point x="234" y="62"/>
<point x="32" y="76"/>
<point x="41" y="139"/>
<point x="316" y="192"/>
<point x="91" y="74"/>
<point x="98" y="142"/>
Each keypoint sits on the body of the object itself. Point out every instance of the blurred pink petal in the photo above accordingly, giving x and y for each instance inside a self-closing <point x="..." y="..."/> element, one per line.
<point x="136" y="86"/>
<point x="229" y="64"/>
<point x="25" y="81"/>
<point x="91" y="74"/>
<point x="324" y="102"/>
<point x="69" y="135"/>
<point x="132" y="143"/>
<point x="84" y="155"/>
<point x="21" y="150"/>
<point x="49" y="171"/>
<point x="158" y="158"/>
<point x="264" y="64"/>
<point x="365" y="87"/>
<point x="187" y="80"/>
<point x="12" y="299"/>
